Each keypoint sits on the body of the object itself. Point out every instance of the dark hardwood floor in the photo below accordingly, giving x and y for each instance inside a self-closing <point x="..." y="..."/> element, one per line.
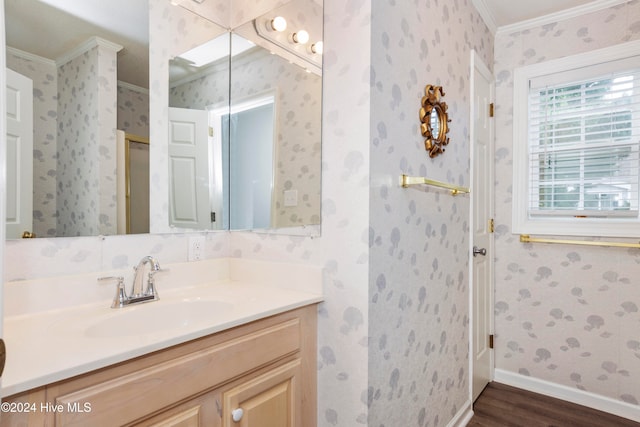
<point x="501" y="405"/>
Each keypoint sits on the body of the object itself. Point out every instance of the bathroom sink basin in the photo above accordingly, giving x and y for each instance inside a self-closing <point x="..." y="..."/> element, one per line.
<point x="153" y="317"/>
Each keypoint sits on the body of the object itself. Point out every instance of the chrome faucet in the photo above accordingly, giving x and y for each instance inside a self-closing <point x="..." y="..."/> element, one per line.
<point x="138" y="295"/>
<point x="138" y="278"/>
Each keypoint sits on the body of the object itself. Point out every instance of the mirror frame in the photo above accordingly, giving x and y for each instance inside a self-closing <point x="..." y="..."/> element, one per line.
<point x="431" y="104"/>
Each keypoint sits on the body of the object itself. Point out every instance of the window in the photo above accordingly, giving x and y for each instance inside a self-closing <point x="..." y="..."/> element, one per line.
<point x="576" y="145"/>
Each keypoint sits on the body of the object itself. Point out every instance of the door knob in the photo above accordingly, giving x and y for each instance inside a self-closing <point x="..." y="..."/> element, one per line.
<point x="481" y="251"/>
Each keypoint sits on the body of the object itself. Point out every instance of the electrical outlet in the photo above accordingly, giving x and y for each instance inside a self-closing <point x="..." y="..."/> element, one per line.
<point x="196" y="248"/>
<point x="291" y="198"/>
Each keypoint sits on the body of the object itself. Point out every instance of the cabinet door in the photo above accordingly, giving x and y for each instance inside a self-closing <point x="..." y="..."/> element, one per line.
<point x="198" y="412"/>
<point x="269" y="400"/>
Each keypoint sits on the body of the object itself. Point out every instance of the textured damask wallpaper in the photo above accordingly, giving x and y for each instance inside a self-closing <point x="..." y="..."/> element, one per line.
<point x="87" y="93"/>
<point x="564" y="314"/>
<point x="298" y="125"/>
<point x="133" y="110"/>
<point x="419" y="238"/>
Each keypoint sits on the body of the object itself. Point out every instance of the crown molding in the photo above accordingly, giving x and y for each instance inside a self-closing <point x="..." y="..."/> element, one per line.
<point x="558" y="16"/>
<point x="30" y="56"/>
<point x="204" y="71"/>
<point x="85" y="47"/>
<point x="133" y="87"/>
<point x="486" y="15"/>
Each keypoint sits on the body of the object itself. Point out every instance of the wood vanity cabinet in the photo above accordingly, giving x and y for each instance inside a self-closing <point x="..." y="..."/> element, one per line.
<point x="264" y="371"/>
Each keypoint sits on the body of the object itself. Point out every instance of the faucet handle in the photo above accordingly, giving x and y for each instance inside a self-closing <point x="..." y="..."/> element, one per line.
<point x="121" y="295"/>
<point x="151" y="283"/>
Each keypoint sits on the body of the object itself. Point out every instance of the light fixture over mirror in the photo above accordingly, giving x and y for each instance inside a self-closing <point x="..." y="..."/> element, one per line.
<point x="317" y="48"/>
<point x="278" y="24"/>
<point x="304" y="23"/>
<point x="301" y="37"/>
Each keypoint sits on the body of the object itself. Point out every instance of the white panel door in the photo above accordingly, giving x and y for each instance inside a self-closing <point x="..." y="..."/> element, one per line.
<point x="19" y="105"/>
<point x="482" y="238"/>
<point x="189" y="205"/>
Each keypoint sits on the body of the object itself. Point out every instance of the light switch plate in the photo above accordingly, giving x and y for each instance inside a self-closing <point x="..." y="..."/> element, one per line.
<point x="291" y="198"/>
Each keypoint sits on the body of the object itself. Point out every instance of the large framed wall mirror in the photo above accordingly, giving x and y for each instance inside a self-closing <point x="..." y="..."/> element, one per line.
<point x="253" y="95"/>
<point x="251" y="116"/>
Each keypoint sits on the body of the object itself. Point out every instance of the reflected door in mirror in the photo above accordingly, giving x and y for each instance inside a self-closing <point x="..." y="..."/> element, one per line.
<point x="189" y="192"/>
<point x="19" y="201"/>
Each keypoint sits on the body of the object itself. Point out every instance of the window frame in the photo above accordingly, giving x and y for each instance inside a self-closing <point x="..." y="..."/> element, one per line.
<point x="522" y="221"/>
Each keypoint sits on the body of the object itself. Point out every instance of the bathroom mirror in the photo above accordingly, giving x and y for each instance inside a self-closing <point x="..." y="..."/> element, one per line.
<point x="86" y="69"/>
<point x="259" y="95"/>
<point x="434" y="120"/>
<point x="295" y="157"/>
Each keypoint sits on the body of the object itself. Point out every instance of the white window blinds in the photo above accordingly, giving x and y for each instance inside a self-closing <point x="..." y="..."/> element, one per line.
<point x="584" y="139"/>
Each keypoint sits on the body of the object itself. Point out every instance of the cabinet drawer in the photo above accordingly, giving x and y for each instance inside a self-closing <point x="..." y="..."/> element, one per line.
<point x="135" y="395"/>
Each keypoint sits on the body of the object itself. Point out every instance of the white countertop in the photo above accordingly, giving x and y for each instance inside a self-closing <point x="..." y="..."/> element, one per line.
<point x="55" y="344"/>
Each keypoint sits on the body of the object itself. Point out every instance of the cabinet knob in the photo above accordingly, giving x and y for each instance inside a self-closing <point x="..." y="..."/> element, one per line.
<point x="237" y="414"/>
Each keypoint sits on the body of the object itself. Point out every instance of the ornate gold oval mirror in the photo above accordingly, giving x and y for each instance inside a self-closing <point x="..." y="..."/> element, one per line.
<point x="434" y="120"/>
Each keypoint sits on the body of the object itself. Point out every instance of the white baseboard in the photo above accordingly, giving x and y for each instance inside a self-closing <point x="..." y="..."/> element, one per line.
<point x="573" y="395"/>
<point x="463" y="416"/>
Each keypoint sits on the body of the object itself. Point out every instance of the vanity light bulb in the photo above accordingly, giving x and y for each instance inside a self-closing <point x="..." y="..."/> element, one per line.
<point x="301" y="37"/>
<point x="278" y="23"/>
<point x="317" y="48"/>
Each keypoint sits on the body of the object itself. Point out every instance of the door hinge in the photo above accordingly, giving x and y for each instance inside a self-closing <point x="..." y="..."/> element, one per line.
<point x="491" y="341"/>
<point x="210" y="131"/>
<point x="491" y="110"/>
<point x="491" y="226"/>
<point x="213" y="217"/>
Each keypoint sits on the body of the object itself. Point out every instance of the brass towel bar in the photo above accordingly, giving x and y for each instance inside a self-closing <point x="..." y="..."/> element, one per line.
<point x="406" y="181"/>
<point x="525" y="238"/>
